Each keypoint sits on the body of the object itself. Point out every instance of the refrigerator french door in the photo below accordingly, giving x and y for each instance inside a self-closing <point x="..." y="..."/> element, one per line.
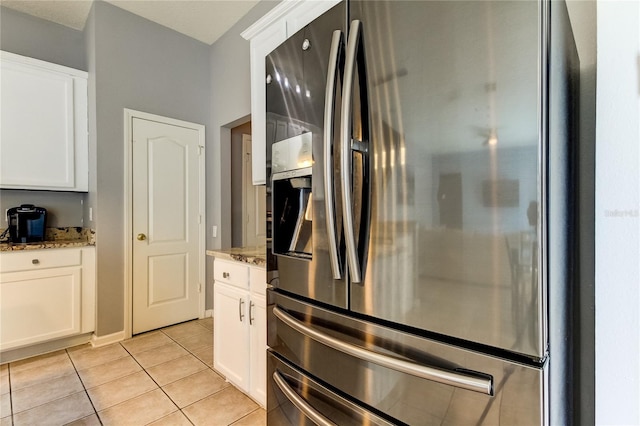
<point x="438" y="198"/>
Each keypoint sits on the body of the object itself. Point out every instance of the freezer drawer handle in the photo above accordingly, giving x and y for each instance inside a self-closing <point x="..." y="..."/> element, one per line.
<point x="329" y="108"/>
<point x="302" y="405"/>
<point x="461" y="380"/>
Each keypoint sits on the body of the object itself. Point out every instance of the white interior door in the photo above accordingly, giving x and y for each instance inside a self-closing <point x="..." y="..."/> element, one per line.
<point x="166" y="216"/>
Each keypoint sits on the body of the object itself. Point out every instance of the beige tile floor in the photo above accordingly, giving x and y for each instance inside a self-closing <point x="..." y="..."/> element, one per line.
<point x="164" y="377"/>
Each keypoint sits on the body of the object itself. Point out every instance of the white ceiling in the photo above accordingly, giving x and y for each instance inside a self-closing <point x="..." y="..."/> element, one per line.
<point x="204" y="20"/>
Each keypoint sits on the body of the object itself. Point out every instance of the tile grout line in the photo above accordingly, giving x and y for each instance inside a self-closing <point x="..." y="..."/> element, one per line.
<point x="187" y="349"/>
<point x="83" y="387"/>
<point x="196" y="357"/>
<point x="157" y="384"/>
<point x="209" y="367"/>
<point x="153" y="380"/>
<point x="10" y="391"/>
<point x="229" y="384"/>
<point x="212" y="369"/>
<point x="245" y="416"/>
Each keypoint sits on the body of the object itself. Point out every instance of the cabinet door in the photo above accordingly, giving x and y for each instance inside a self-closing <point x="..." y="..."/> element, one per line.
<point x="36" y="306"/>
<point x="258" y="315"/>
<point x="231" y="334"/>
<point x="44" y="139"/>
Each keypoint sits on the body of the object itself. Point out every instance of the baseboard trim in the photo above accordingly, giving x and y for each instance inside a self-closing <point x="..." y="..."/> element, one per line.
<point x="16" y="354"/>
<point x="208" y="313"/>
<point x="108" y="339"/>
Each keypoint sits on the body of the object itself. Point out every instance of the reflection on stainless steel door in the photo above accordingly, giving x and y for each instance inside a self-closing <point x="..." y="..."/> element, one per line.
<point x="300" y="69"/>
<point x="296" y="399"/>
<point x="517" y="389"/>
<point x="456" y="189"/>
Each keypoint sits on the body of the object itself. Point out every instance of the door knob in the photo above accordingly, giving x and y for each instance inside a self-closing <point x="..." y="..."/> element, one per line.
<point x="142" y="237"/>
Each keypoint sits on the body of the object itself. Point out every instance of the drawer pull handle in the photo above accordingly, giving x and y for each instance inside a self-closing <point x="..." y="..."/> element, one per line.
<point x="314" y="415"/>
<point x="225" y="275"/>
<point x="241" y="309"/>
<point x="482" y="384"/>
<point x="35" y="261"/>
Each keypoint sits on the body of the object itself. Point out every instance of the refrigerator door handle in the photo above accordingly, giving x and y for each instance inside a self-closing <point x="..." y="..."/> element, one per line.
<point x="329" y="106"/>
<point x="302" y="405"/>
<point x="345" y="158"/>
<point x="482" y="384"/>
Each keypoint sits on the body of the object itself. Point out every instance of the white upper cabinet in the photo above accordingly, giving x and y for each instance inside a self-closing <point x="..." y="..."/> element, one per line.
<point x="268" y="39"/>
<point x="265" y="35"/>
<point x="43" y="125"/>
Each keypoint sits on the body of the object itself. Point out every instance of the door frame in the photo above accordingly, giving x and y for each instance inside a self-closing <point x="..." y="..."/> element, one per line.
<point x="129" y="115"/>
<point x="247" y="186"/>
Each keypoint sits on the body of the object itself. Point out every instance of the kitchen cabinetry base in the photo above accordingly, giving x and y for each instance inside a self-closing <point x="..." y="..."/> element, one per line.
<point x="16" y="354"/>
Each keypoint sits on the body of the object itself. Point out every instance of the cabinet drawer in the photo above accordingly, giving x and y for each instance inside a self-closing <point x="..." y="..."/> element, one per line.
<point x="234" y="273"/>
<point x="258" y="280"/>
<point x="39" y="259"/>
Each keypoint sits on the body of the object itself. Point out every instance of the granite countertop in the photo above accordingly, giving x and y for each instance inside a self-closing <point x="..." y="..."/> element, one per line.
<point x="256" y="255"/>
<point x="57" y="238"/>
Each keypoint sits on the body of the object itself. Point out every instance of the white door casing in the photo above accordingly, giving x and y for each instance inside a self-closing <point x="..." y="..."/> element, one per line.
<point x="248" y="196"/>
<point x="165" y="236"/>
<point x="254" y="226"/>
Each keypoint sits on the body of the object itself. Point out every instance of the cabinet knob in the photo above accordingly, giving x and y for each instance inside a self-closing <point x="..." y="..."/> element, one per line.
<point x="141" y="237"/>
<point x="225" y="275"/>
<point x="35" y="261"/>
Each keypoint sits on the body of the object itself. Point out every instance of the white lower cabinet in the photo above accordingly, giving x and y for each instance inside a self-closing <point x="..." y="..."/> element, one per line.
<point x="240" y="329"/>
<point x="231" y="334"/>
<point x="258" y="354"/>
<point x="46" y="295"/>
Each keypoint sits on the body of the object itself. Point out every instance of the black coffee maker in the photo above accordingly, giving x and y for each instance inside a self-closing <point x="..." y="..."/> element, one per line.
<point x="26" y="223"/>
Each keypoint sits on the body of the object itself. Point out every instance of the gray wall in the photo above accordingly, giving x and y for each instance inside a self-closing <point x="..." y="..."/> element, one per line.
<point x="144" y="66"/>
<point x="34" y="37"/>
<point x="26" y="35"/>
<point x="64" y="209"/>
<point x="230" y="106"/>
<point x="134" y="63"/>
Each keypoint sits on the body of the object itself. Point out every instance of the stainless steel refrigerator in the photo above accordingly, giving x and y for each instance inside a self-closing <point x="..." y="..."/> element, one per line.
<point x="421" y="172"/>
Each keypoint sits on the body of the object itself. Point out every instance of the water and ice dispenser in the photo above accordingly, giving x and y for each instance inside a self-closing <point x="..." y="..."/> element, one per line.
<point x="292" y="197"/>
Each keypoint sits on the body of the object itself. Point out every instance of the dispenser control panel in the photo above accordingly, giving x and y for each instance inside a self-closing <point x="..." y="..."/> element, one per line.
<point x="291" y="154"/>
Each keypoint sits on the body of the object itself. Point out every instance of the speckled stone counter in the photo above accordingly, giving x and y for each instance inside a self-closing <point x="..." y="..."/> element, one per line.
<point x="57" y="238"/>
<point x="256" y="255"/>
